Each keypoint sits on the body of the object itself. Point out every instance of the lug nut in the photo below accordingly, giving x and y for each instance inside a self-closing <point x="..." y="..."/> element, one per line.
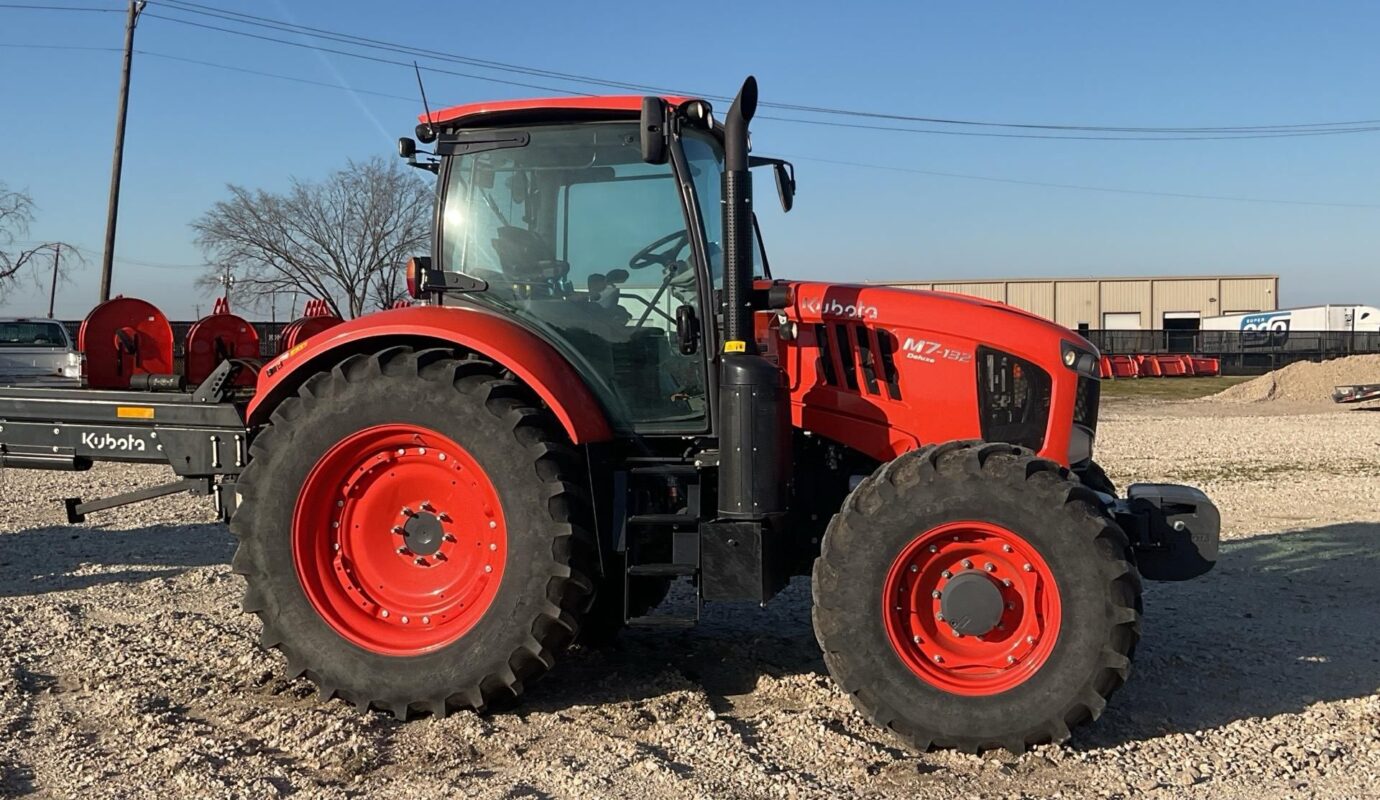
<point x="1006" y="548"/>
<point x="493" y="524"/>
<point x="990" y="567"/>
<point x="493" y="545"/>
<point x="402" y="551"/>
<point x="947" y="574"/>
<point x="1006" y="582"/>
<point x="1010" y="606"/>
<point x="398" y="529"/>
<point x="914" y="568"/>
<point x="446" y="537"/>
<point x="443" y="516"/>
<point x="935" y="594"/>
<point x="939" y="616"/>
<point x="408" y="512"/>
<point x="439" y="556"/>
<point x="488" y="568"/>
<point x="427" y="506"/>
<point x="1010" y="659"/>
<point x="934" y="549"/>
<point x="967" y="564"/>
<point x="938" y="659"/>
<point x="384" y="614"/>
<point x="419" y="561"/>
<point x="1027" y="568"/>
<point x="1030" y="640"/>
<point x="404" y="620"/>
<point x="426" y="620"/>
<point x="915" y="639"/>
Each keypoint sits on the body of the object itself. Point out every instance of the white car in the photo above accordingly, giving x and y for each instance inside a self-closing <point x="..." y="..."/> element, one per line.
<point x="38" y="352"/>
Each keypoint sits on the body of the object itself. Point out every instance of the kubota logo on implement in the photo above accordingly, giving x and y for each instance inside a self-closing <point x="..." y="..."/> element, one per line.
<point x="104" y="441"/>
<point x="833" y="308"/>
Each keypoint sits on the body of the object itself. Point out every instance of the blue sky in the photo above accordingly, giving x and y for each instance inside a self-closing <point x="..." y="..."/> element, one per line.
<point x="193" y="128"/>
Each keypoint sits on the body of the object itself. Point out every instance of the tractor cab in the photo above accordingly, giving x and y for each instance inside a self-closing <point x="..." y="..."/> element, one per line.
<point x="562" y="220"/>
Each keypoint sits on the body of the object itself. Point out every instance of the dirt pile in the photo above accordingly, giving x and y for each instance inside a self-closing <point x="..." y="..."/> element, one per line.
<point x="1304" y="381"/>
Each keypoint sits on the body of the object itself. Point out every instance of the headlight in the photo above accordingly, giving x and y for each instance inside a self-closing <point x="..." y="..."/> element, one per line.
<point x="1078" y="359"/>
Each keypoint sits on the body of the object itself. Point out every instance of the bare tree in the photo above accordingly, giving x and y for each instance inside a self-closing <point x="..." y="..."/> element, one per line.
<point x="16" y="214"/>
<point x="343" y="239"/>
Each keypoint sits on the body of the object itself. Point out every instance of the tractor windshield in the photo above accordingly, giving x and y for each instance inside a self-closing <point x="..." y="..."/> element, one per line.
<point x="576" y="235"/>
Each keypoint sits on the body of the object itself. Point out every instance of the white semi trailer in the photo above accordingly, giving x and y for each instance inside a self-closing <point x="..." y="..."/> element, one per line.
<point x="1333" y="319"/>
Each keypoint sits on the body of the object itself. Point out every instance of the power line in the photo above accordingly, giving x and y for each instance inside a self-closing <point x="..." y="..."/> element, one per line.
<point x="1086" y="188"/>
<point x="36" y="7"/>
<point x="1076" y="137"/>
<point x="362" y="41"/>
<point x="361" y="56"/>
<point x="837" y="162"/>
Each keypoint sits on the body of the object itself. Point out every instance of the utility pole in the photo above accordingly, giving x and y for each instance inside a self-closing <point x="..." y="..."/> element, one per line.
<point x="117" y="162"/>
<point x="52" y="290"/>
<point x="227" y="280"/>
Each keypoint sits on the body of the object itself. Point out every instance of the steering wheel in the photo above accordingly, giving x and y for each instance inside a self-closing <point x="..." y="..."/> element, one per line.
<point x="662" y="252"/>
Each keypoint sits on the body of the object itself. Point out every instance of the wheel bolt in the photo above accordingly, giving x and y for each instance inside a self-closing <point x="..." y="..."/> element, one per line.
<point x="1010" y="606"/>
<point x="488" y="568"/>
<point x="939" y="616"/>
<point x="947" y="574"/>
<point x="1027" y="568"/>
<point x="443" y="516"/>
<point x="938" y="659"/>
<point x="493" y="545"/>
<point x="439" y="556"/>
<point x="935" y="594"/>
<point x="915" y="639"/>
<point x="1006" y="582"/>
<point x="427" y="506"/>
<point x="442" y="456"/>
<point x="1006" y="548"/>
<point x="426" y="620"/>
<point x="446" y="537"/>
<point x="1030" y="640"/>
<point x="934" y="549"/>
<point x="421" y="562"/>
<point x="493" y="524"/>
<point x="384" y="614"/>
<point x="914" y="568"/>
<point x="990" y="567"/>
<point x="404" y="620"/>
<point x="398" y="529"/>
<point x="408" y="512"/>
<point x="967" y="564"/>
<point x="1010" y="659"/>
<point x="402" y="551"/>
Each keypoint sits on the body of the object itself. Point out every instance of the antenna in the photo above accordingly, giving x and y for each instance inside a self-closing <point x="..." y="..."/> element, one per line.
<point x="430" y="132"/>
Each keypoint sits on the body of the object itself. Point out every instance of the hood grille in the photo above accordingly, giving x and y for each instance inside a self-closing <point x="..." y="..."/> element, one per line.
<point x="858" y="358"/>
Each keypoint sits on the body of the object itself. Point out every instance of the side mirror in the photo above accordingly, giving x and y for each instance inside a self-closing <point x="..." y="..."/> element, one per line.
<point x="785" y="184"/>
<point x="407" y="148"/>
<point x="687" y="330"/>
<point x="653" y="126"/>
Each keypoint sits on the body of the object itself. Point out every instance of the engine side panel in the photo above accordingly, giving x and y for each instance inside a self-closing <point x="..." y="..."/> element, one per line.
<point x="885" y="370"/>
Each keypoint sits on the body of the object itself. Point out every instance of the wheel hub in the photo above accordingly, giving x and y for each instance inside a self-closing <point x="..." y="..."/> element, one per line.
<point x="971" y="608"/>
<point x="423" y="534"/>
<point x="399" y="539"/>
<point x="972" y="603"/>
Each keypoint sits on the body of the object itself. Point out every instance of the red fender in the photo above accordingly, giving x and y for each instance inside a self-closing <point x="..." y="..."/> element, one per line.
<point x="533" y="360"/>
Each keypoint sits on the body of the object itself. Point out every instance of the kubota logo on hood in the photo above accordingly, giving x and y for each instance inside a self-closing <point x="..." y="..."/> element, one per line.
<point x="830" y="307"/>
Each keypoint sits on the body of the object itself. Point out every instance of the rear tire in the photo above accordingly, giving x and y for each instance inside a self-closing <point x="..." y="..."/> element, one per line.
<point x="1046" y="655"/>
<point x="359" y="604"/>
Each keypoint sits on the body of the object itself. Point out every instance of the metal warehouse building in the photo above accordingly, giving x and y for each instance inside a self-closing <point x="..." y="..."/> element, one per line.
<point x="1131" y="303"/>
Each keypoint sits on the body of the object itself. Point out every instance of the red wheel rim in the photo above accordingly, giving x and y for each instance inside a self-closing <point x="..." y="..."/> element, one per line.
<point x="399" y="539"/>
<point x="1003" y="657"/>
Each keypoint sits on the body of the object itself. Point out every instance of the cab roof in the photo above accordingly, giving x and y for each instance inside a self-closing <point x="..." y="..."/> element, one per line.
<point x="556" y="107"/>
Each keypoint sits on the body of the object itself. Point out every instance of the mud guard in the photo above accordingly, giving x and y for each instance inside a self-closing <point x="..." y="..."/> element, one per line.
<point x="512" y="347"/>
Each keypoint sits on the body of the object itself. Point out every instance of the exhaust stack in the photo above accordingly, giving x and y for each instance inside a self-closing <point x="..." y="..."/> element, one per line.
<point x="754" y="442"/>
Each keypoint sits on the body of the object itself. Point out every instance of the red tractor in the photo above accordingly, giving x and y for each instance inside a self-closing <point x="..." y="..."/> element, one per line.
<point x="607" y="389"/>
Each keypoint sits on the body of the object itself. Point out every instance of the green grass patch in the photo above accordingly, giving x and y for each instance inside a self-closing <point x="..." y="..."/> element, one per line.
<point x="1169" y="388"/>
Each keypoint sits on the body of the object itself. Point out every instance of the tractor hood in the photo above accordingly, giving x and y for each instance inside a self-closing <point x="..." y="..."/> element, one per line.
<point x="885" y="370"/>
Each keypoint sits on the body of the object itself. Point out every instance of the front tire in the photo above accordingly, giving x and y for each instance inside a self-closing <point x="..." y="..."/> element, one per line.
<point x="1042" y="597"/>
<point x="409" y="533"/>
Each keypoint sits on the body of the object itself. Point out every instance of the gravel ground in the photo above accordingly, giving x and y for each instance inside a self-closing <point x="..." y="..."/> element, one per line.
<point x="127" y="671"/>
